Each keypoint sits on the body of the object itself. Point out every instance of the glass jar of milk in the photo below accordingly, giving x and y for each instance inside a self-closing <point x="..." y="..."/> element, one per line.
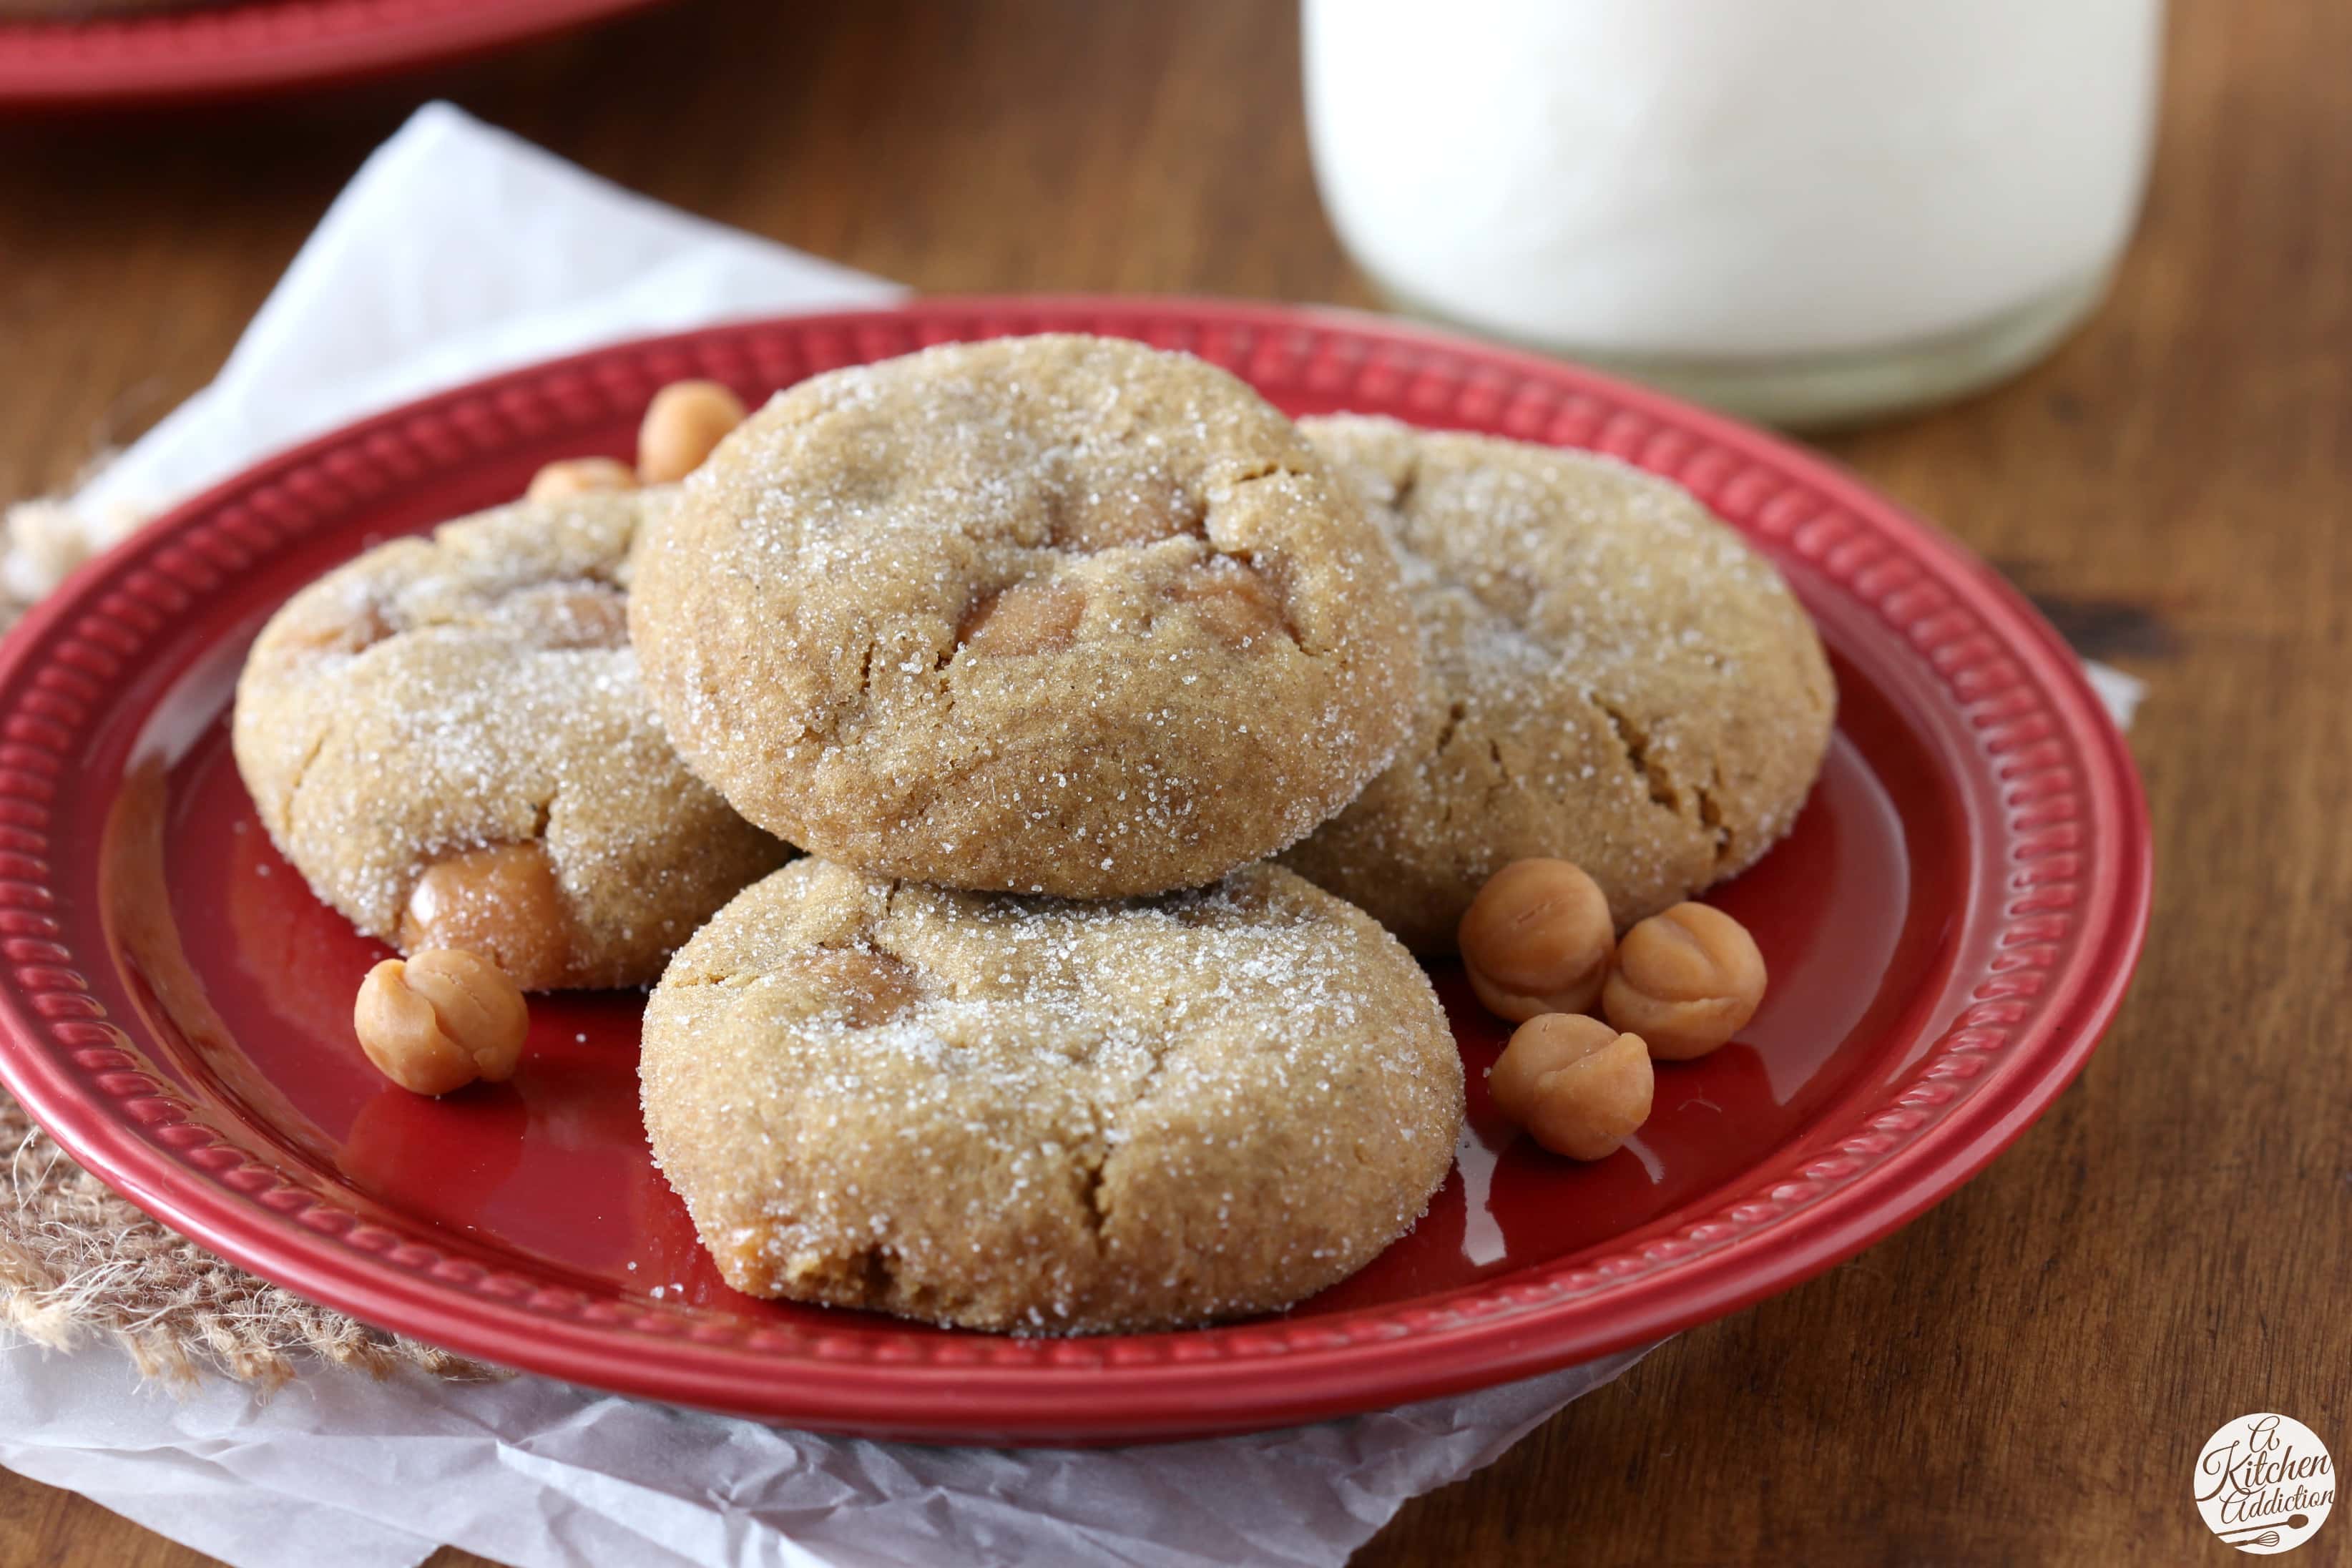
<point x="1807" y="211"/>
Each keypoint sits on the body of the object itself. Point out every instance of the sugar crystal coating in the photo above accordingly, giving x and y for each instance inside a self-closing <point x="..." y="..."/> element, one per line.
<point x="1059" y="614"/>
<point x="1610" y="676"/>
<point x="1044" y="1115"/>
<point x="439" y="697"/>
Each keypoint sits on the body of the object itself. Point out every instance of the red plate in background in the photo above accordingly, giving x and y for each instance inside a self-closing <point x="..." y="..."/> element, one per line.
<point x="251" y="47"/>
<point x="1949" y="928"/>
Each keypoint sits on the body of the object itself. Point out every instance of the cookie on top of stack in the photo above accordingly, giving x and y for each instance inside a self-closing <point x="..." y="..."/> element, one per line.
<point x="1053" y="614"/>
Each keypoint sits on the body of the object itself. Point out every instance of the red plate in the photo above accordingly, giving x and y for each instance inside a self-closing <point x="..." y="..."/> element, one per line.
<point x="260" y="45"/>
<point x="1949" y="929"/>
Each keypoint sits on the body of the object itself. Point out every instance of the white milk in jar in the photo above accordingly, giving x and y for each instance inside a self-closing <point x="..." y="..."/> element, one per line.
<point x="1805" y="210"/>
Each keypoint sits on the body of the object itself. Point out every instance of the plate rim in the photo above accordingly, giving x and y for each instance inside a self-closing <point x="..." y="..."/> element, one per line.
<point x="1511" y="1325"/>
<point x="251" y="47"/>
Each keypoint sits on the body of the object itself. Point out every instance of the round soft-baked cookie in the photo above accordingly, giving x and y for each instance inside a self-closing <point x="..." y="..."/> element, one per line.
<point x="1052" y="614"/>
<point x="1609" y="676"/>
<point x="447" y="738"/>
<point x="1037" y="1114"/>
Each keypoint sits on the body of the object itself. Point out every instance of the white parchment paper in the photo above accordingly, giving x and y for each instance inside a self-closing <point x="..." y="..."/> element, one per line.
<point x="338" y="1469"/>
<point x="456" y="251"/>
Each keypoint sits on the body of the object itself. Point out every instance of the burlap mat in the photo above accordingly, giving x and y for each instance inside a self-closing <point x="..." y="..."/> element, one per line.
<point x="78" y="1262"/>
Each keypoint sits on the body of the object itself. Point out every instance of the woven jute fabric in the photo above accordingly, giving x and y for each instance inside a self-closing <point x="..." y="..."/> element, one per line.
<point x="79" y="1263"/>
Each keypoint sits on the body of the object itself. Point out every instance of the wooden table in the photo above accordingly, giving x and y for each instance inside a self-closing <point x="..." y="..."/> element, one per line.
<point x="2024" y="1375"/>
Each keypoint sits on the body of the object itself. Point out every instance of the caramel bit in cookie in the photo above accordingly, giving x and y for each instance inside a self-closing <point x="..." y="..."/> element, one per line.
<point x="349" y="628"/>
<point x="1234" y="600"/>
<point x="580" y="476"/>
<point x="1140" y="512"/>
<point x="501" y="900"/>
<point x="574" y="614"/>
<point x="1032" y="616"/>
<point x="866" y="988"/>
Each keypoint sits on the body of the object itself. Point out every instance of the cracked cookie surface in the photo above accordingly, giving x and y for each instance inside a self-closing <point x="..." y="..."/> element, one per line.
<point x="1056" y="614"/>
<point x="1610" y="676"/>
<point x="1046" y="1116"/>
<point x="448" y="739"/>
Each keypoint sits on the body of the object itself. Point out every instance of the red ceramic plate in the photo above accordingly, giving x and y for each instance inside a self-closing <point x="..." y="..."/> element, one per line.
<point x="248" y="46"/>
<point x="1949" y="928"/>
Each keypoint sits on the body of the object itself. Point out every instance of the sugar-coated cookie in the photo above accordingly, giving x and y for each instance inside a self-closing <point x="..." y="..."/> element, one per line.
<point x="1036" y="1114"/>
<point x="1057" y="615"/>
<point x="1610" y="676"/>
<point x="446" y="736"/>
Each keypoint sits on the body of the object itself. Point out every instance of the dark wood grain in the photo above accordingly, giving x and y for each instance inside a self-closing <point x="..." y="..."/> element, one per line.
<point x="2026" y="1374"/>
